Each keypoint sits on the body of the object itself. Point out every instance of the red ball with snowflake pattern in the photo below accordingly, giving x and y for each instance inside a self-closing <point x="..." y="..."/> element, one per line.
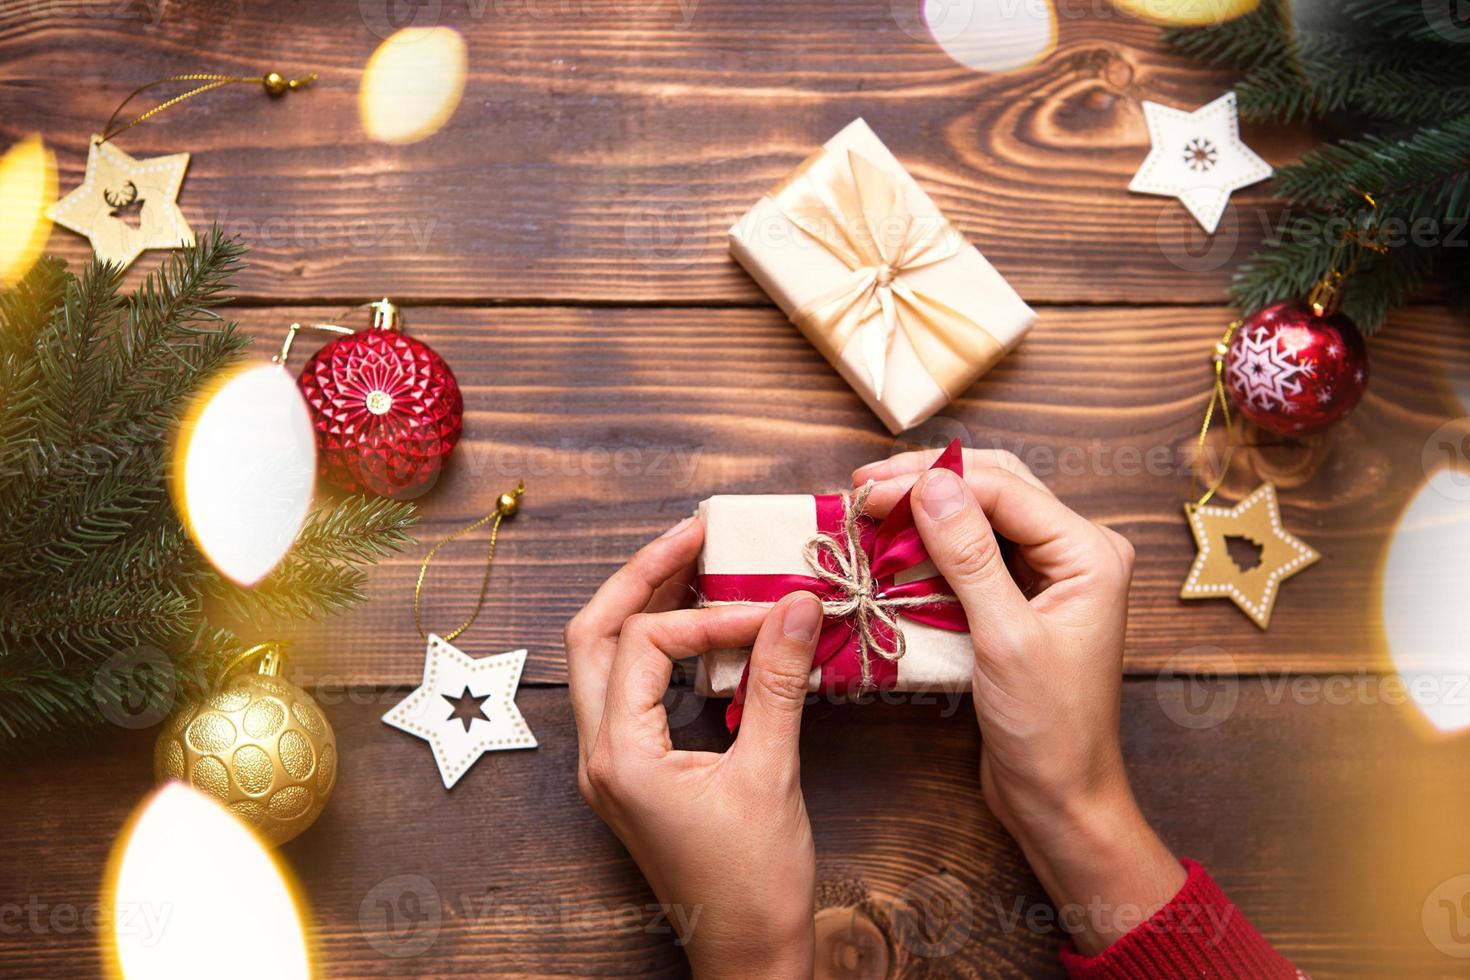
<point x="1293" y="372"/>
<point x="387" y="412"/>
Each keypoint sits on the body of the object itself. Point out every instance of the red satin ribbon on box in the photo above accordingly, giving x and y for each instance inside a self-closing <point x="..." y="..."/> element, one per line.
<point x="892" y="546"/>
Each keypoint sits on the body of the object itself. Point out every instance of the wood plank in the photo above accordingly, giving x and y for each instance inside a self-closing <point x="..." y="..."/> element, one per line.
<point x="1328" y="823"/>
<point x="603" y="148"/>
<point x="621" y="420"/>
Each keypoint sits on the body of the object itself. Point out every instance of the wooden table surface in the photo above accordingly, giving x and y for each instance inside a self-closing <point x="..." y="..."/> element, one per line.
<point x="561" y="242"/>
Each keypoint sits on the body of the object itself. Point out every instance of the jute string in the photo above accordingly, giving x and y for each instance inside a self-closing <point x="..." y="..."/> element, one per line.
<point x="861" y="600"/>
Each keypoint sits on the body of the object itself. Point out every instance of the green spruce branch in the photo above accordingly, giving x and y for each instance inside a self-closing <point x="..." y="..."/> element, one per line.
<point x="1398" y="76"/>
<point x="95" y="565"/>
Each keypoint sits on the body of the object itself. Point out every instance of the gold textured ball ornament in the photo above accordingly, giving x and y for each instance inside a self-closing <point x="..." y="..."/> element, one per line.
<point x="258" y="744"/>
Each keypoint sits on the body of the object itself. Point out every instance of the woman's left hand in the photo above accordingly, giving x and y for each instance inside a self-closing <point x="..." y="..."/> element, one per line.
<point x="723" y="838"/>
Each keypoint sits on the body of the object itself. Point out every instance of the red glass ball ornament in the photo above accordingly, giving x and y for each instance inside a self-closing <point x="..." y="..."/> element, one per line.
<point x="386" y="409"/>
<point x="1294" y="372"/>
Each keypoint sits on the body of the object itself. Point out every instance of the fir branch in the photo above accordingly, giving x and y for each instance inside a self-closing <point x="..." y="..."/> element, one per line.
<point x="1400" y="71"/>
<point x="363" y="528"/>
<point x="1420" y="174"/>
<point x="1414" y="96"/>
<point x="95" y="561"/>
<point x="1244" y="42"/>
<point x="1427" y="22"/>
<point x="296" y="589"/>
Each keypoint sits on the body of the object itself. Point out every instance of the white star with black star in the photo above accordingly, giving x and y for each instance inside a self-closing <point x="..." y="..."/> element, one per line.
<point x="433" y="710"/>
<point x="1198" y="157"/>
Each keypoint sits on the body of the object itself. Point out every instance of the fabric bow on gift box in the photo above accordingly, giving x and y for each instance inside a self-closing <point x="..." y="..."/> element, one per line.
<point x="857" y="211"/>
<point x="882" y="284"/>
<point x="855" y="563"/>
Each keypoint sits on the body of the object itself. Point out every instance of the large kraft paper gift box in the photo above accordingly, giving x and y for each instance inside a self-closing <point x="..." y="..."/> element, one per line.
<point x="891" y="619"/>
<point x="860" y="259"/>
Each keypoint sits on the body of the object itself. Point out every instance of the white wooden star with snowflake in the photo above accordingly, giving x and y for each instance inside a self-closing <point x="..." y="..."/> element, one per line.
<point x="465" y="707"/>
<point x="1198" y="157"/>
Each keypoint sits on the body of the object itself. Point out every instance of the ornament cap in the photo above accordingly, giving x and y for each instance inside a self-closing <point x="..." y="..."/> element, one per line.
<point x="277" y="84"/>
<point x="385" y="314"/>
<point x="270" y="657"/>
<point x="509" y="503"/>
<point x="271" y="661"/>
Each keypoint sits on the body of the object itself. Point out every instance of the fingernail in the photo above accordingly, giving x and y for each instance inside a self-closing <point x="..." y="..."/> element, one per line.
<point x="677" y="527"/>
<point x="941" y="495"/>
<point x="802" y="618"/>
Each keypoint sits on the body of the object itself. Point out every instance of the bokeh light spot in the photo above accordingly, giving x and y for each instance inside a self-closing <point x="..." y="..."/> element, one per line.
<point x="192" y="892"/>
<point x="1425" y="615"/>
<point x="27" y="190"/>
<point x="244" y="470"/>
<point x="992" y="35"/>
<point x="412" y="84"/>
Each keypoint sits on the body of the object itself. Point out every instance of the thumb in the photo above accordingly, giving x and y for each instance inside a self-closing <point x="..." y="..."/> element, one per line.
<point x="959" y="539"/>
<point x="780" y="669"/>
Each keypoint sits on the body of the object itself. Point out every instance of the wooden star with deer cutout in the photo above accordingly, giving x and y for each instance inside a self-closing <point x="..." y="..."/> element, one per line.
<point x="465" y="707"/>
<point x="1215" y="575"/>
<point x="126" y="206"/>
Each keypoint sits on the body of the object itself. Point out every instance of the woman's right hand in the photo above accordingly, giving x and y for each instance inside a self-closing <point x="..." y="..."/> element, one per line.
<point x="1047" y="679"/>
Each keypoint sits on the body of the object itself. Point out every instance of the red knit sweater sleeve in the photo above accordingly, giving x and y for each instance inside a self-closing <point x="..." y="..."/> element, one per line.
<point x="1200" y="933"/>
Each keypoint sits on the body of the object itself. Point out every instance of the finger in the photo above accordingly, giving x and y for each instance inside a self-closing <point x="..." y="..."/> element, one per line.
<point x="592" y="635"/>
<point x="628" y="590"/>
<point x="1056" y="541"/>
<point x="963" y="547"/>
<point x="780" y="669"/>
<point x="677" y="593"/>
<point x="888" y="492"/>
<point x="914" y="463"/>
<point x="646" y="652"/>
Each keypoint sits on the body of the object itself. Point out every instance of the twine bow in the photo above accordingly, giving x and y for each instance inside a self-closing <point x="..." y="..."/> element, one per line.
<point x="849" y="570"/>
<point x="860" y="213"/>
<point x="855" y="564"/>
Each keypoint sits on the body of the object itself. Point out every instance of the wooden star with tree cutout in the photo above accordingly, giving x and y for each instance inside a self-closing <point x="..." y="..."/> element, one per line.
<point x="1216" y="575"/>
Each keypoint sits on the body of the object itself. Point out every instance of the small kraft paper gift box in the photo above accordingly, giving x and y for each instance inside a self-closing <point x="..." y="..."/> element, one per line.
<point x="891" y="621"/>
<point x="860" y="259"/>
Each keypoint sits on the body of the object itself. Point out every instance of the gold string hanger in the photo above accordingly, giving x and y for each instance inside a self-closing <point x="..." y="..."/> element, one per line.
<point x="506" y="505"/>
<point x="385" y="317"/>
<point x="1327" y="293"/>
<point x="1218" y="397"/>
<point x="274" y="83"/>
